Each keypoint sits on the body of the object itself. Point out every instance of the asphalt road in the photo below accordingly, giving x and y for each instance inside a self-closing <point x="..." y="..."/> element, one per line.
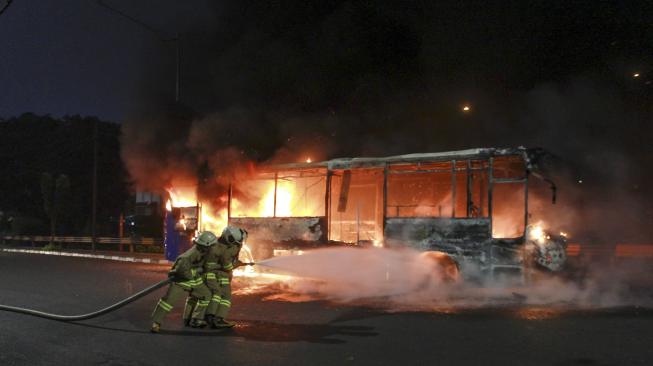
<point x="291" y="333"/>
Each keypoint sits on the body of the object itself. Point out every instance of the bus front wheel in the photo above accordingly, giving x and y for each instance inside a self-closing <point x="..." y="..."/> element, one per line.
<point x="445" y="267"/>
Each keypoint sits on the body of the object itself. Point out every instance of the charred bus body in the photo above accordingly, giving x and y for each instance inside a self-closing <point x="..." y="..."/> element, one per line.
<point x="470" y="206"/>
<point x="180" y="226"/>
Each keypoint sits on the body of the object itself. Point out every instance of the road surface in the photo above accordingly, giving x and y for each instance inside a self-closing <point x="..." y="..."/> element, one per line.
<point x="291" y="333"/>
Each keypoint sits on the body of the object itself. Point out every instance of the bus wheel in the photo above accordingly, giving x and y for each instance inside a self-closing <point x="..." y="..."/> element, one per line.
<point x="445" y="267"/>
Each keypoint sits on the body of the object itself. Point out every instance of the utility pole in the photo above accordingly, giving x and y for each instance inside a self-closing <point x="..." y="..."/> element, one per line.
<point x="94" y="205"/>
<point x="178" y="66"/>
<point x="121" y="226"/>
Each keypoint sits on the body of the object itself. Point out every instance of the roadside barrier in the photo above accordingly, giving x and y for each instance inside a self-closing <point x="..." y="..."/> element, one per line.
<point x="610" y="251"/>
<point x="130" y="242"/>
<point x="634" y="250"/>
<point x="89" y="254"/>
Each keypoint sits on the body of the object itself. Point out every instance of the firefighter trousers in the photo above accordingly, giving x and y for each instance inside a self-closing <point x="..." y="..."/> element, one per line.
<point x="176" y="292"/>
<point x="220" y="287"/>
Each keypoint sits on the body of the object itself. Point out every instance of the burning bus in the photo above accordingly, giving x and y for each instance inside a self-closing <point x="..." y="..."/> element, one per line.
<point x="463" y="208"/>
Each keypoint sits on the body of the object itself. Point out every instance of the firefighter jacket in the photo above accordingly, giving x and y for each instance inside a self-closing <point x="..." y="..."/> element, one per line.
<point x="188" y="266"/>
<point x="221" y="259"/>
<point x="230" y="260"/>
<point x="213" y="261"/>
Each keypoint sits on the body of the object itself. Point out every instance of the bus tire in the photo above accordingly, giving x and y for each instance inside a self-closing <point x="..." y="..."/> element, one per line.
<point x="445" y="266"/>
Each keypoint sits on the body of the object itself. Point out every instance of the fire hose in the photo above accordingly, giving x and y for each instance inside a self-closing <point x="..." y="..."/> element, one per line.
<point x="95" y="314"/>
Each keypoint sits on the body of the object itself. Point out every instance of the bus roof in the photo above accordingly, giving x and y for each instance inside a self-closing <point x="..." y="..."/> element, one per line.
<point x="372" y="162"/>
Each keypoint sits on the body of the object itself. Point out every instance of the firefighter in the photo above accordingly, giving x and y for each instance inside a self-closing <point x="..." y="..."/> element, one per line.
<point x="186" y="274"/>
<point x="220" y="261"/>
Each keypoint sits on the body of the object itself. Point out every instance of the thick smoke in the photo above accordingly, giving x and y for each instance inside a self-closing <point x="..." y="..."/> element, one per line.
<point x="284" y="81"/>
<point x="409" y="280"/>
<point x="595" y="132"/>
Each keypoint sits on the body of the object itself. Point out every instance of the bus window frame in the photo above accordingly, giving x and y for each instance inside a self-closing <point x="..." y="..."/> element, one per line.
<point x="487" y="166"/>
<point x="453" y="171"/>
<point x="275" y="176"/>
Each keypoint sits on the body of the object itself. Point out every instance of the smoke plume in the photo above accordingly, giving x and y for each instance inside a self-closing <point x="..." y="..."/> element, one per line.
<point x="285" y="81"/>
<point x="408" y="280"/>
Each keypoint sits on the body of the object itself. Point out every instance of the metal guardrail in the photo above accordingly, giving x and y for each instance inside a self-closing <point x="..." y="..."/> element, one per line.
<point x="618" y="250"/>
<point x="86" y="240"/>
<point x="634" y="250"/>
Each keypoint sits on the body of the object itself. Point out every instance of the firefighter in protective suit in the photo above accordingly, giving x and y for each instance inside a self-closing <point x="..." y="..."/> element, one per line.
<point x="221" y="260"/>
<point x="186" y="274"/>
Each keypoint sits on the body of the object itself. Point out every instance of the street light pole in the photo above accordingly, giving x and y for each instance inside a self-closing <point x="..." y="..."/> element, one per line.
<point x="178" y="66"/>
<point x="94" y="213"/>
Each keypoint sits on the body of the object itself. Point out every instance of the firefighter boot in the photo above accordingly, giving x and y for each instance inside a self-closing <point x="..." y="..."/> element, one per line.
<point x="200" y="310"/>
<point x="219" y="323"/>
<point x="197" y="323"/>
<point x="209" y="318"/>
<point x="215" y="322"/>
<point x="156" y="328"/>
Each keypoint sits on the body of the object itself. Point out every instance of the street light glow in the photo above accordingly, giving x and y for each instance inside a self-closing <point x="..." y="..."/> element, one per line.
<point x="466" y="108"/>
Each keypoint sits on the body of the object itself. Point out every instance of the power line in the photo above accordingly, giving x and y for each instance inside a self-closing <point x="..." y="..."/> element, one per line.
<point x="6" y="6"/>
<point x="156" y="32"/>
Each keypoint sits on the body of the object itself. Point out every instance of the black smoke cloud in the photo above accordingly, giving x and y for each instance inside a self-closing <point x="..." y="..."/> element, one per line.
<point x="599" y="136"/>
<point x="286" y="79"/>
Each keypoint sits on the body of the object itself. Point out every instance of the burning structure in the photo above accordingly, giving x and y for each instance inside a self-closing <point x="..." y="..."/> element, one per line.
<point x="468" y="207"/>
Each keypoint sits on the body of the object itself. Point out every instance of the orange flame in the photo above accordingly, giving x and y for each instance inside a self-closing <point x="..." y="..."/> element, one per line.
<point x="294" y="198"/>
<point x="183" y="196"/>
<point x="210" y="218"/>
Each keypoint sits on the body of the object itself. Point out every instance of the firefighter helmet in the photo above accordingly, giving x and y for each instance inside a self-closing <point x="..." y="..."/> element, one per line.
<point x="205" y="239"/>
<point x="234" y="235"/>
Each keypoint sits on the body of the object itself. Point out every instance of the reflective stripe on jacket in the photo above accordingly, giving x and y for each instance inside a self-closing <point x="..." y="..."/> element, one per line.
<point x="188" y="265"/>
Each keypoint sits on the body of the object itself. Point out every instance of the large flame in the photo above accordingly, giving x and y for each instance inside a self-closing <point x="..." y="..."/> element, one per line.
<point x="294" y="198"/>
<point x="210" y="218"/>
<point x="183" y="196"/>
<point x="213" y="221"/>
<point x="537" y="233"/>
<point x="265" y="207"/>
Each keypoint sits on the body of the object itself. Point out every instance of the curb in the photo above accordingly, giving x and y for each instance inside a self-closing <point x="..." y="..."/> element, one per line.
<point x="85" y="255"/>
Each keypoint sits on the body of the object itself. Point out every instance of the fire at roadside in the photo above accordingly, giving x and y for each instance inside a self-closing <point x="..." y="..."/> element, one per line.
<point x="422" y="232"/>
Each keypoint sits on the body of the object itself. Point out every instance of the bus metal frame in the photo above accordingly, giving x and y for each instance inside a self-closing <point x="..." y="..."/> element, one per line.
<point x="466" y="239"/>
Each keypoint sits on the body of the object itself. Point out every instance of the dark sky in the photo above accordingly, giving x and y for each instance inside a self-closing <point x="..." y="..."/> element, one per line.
<point x="348" y="77"/>
<point x="74" y="56"/>
<point x="290" y="79"/>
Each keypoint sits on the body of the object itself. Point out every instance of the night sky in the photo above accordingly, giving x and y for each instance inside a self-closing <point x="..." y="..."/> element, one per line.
<point x="76" y="57"/>
<point x="284" y="80"/>
<point x="339" y="78"/>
